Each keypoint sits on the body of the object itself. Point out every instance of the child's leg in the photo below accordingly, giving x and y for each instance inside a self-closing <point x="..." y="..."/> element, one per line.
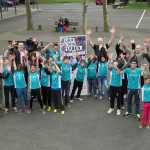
<point x="12" y="90"/>
<point x="94" y="86"/>
<point x="59" y="99"/>
<point x="100" y="86"/>
<point x="144" y="113"/>
<point x="32" y="95"/>
<point x="63" y="87"/>
<point x="38" y="93"/>
<point x="148" y="113"/>
<point x="6" y="92"/>
<point x="65" y="28"/>
<point x="62" y="29"/>
<point x="67" y="90"/>
<point x="122" y="99"/>
<point x="48" y="93"/>
<point x="130" y="95"/>
<point x="118" y="92"/>
<point x="106" y="85"/>
<point x="112" y="91"/>
<point x="74" y="89"/>
<point x="24" y="92"/>
<point x="19" y="94"/>
<point x="59" y="28"/>
<point x="44" y="95"/>
<point x="137" y="102"/>
<point x="54" y="98"/>
<point x="80" y="85"/>
<point x="90" y="85"/>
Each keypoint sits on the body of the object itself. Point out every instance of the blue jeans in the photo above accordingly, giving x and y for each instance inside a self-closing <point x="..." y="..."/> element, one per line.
<point x="101" y="81"/>
<point x="92" y="83"/>
<point x="60" y="29"/>
<point x="65" y="85"/>
<point x="134" y="92"/>
<point x="20" y="93"/>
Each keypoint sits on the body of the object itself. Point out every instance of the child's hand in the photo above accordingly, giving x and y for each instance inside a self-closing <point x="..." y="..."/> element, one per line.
<point x="8" y="68"/>
<point x="34" y="38"/>
<point x="13" y="56"/>
<point x="1" y="60"/>
<point x="89" y="31"/>
<point x="37" y="54"/>
<point x="110" y="55"/>
<point x="52" y="43"/>
<point x="112" y="30"/>
<point x="132" y="41"/>
<point x="14" y="42"/>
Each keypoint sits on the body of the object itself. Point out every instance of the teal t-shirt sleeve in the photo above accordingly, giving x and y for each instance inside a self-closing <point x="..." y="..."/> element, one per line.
<point x="125" y="71"/>
<point x="111" y="68"/>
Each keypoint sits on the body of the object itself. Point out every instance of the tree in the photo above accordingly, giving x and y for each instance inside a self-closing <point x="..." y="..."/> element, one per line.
<point x="29" y="15"/>
<point x="105" y="16"/>
<point x="84" y="16"/>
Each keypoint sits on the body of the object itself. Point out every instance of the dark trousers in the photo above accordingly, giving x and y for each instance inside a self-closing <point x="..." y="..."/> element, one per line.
<point x="65" y="85"/>
<point x="115" y="92"/>
<point x="33" y="94"/>
<point x="10" y="89"/>
<point x="134" y="92"/>
<point x="46" y="95"/>
<point x="57" y="100"/>
<point x="79" y="85"/>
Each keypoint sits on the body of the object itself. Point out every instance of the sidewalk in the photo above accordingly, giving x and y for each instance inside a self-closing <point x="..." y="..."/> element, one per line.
<point x="13" y="13"/>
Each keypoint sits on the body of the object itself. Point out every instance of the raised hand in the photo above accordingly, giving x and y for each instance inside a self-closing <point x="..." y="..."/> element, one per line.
<point x="112" y="30"/>
<point x="8" y="68"/>
<point x="147" y="38"/>
<point x="13" y="42"/>
<point x="121" y="37"/>
<point x="37" y="54"/>
<point x="1" y="60"/>
<point x="146" y="44"/>
<point x="58" y="43"/>
<point x="132" y="41"/>
<point x="122" y="56"/>
<point x="110" y="55"/>
<point x="52" y="43"/>
<point x="33" y="38"/>
<point x="89" y="31"/>
<point x="13" y="56"/>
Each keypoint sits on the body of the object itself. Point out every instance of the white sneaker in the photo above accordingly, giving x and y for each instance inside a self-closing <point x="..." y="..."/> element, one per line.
<point x="6" y="111"/>
<point x="80" y="99"/>
<point x="15" y="109"/>
<point x="110" y="111"/>
<point x="71" y="100"/>
<point x="43" y="111"/>
<point x="118" y="112"/>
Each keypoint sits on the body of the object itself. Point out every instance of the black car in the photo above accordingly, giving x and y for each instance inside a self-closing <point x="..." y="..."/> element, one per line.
<point x="23" y="1"/>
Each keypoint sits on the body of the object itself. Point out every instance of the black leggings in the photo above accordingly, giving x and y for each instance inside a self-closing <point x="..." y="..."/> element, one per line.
<point x="33" y="93"/>
<point x="46" y="94"/>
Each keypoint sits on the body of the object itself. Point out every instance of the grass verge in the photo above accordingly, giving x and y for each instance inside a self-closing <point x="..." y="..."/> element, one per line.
<point x="138" y="5"/>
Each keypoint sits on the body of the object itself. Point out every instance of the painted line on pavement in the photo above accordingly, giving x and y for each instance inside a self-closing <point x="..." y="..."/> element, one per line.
<point x="140" y="19"/>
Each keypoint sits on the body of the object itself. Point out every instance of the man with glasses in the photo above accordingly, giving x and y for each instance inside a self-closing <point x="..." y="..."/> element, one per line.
<point x="134" y="74"/>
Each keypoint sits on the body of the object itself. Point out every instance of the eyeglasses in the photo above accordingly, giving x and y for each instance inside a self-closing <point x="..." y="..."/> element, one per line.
<point x="133" y="63"/>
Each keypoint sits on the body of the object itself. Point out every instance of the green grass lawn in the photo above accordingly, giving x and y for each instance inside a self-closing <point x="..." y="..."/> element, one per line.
<point x="138" y="5"/>
<point x="62" y="1"/>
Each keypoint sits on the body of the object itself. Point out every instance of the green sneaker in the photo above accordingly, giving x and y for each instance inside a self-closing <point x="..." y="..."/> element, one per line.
<point x="122" y="107"/>
<point x="127" y="114"/>
<point x="138" y="117"/>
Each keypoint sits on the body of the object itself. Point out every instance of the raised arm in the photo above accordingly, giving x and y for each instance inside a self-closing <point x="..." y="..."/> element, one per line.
<point x="1" y="65"/>
<point x="89" y="38"/>
<point x="57" y="68"/>
<point x="28" y="67"/>
<point x="49" y="44"/>
<point x="37" y="61"/>
<point x="110" y="58"/>
<point x="112" y="31"/>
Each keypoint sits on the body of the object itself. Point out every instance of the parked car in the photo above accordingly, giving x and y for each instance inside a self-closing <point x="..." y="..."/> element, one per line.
<point x="7" y="3"/>
<point x="100" y="2"/>
<point x="17" y="1"/>
<point x="23" y="1"/>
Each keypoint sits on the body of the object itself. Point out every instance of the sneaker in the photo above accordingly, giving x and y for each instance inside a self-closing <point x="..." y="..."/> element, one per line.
<point x="89" y="94"/>
<point x="15" y="109"/>
<point x="110" y="111"/>
<point x="6" y="111"/>
<point x="27" y="110"/>
<point x="55" y="110"/>
<point x="68" y="105"/>
<point x="122" y="107"/>
<point x="141" y="125"/>
<point x="20" y="112"/>
<point x="43" y="111"/>
<point x="44" y="107"/>
<point x="100" y="98"/>
<point x="147" y="126"/>
<point x="138" y="117"/>
<point x="95" y="96"/>
<point x="71" y="100"/>
<point x="80" y="99"/>
<point x="49" y="108"/>
<point x="118" y="112"/>
<point x="63" y="112"/>
<point x="127" y="114"/>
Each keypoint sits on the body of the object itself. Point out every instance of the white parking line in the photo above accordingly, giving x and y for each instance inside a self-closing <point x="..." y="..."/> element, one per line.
<point x="140" y="19"/>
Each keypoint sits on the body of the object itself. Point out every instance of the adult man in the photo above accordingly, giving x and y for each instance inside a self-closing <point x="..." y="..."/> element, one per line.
<point x="100" y="49"/>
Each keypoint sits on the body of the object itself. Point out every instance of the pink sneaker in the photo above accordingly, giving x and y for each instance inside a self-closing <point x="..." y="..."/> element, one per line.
<point x="89" y="94"/>
<point x="95" y="96"/>
<point x="100" y="98"/>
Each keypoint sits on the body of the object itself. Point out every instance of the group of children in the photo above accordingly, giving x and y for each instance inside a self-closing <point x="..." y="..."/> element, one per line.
<point x="52" y="77"/>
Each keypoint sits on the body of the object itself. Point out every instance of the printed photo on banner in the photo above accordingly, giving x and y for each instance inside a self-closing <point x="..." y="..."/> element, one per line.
<point x="74" y="46"/>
